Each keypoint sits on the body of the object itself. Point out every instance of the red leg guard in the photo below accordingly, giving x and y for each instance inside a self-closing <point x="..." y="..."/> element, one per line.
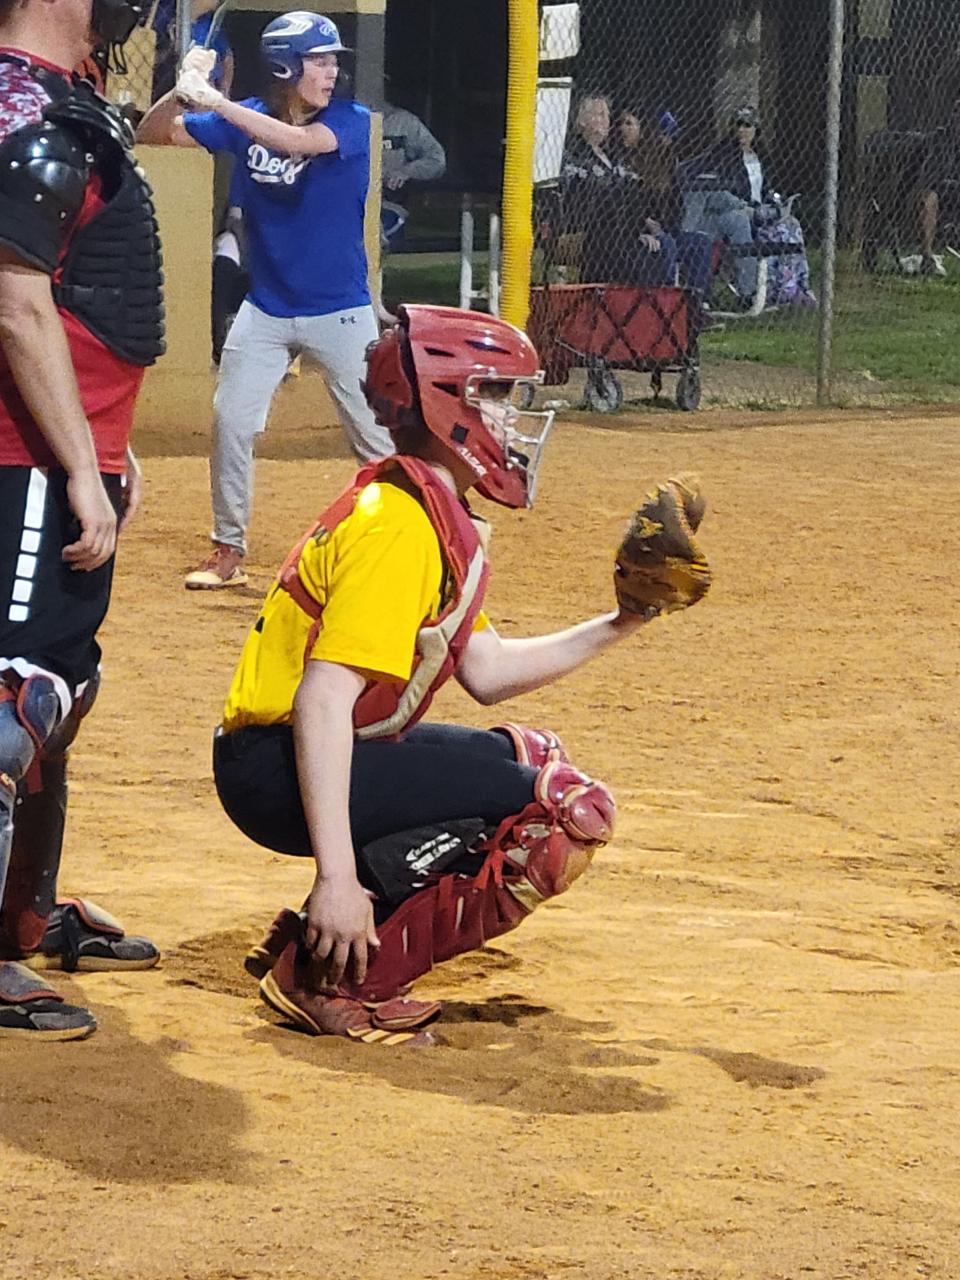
<point x="35" y="861"/>
<point x="532" y="856"/>
<point x="531" y="746"/>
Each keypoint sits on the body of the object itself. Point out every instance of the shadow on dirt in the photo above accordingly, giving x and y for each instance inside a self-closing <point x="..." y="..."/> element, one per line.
<point x="502" y="1050"/>
<point x="115" y="1109"/>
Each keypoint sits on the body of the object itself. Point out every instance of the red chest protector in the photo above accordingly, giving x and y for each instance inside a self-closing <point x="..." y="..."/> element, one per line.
<point x="385" y="709"/>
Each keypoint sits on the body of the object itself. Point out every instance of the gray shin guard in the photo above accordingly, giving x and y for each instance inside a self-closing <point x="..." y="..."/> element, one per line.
<point x="8" y="799"/>
<point x="17" y="750"/>
<point x="29" y="711"/>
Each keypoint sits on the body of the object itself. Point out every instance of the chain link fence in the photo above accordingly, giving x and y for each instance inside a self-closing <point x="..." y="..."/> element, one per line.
<point x="684" y="209"/>
<point x="898" y="274"/>
<point x="145" y="69"/>
<point x="683" y="206"/>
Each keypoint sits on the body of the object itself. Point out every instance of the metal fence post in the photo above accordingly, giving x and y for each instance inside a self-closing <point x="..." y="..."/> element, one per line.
<point x="831" y="200"/>
<point x="184" y="28"/>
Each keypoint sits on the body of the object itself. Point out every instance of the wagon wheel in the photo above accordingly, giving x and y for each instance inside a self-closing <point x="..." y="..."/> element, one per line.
<point x="603" y="392"/>
<point x="688" y="390"/>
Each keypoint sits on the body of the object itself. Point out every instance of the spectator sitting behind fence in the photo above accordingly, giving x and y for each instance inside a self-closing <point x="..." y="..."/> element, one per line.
<point x="648" y="149"/>
<point x="410" y="154"/>
<point x="940" y="188"/>
<point x="730" y="192"/>
<point x="605" y="203"/>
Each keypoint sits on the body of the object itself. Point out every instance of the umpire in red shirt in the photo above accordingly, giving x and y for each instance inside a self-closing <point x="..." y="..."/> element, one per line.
<point x="81" y="317"/>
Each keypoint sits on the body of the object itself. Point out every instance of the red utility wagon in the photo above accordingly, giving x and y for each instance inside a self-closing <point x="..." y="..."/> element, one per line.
<point x="608" y="327"/>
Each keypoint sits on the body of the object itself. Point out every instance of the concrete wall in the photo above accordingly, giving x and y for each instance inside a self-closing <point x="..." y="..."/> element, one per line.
<point x="182" y="180"/>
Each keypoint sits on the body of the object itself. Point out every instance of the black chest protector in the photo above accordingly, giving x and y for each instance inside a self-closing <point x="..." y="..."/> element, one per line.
<point x="110" y="276"/>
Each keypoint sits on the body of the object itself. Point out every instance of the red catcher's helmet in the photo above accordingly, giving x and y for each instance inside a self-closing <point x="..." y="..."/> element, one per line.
<point x="437" y="366"/>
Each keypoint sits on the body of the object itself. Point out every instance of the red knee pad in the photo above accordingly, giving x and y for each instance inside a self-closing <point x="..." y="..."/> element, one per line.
<point x="531" y="746"/>
<point x="534" y="855"/>
<point x="585" y="808"/>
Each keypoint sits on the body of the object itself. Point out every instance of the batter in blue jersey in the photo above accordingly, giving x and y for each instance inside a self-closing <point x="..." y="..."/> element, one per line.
<point x="303" y="215"/>
<point x="302" y="169"/>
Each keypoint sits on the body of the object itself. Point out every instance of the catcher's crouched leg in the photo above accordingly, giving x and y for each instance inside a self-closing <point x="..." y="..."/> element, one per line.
<point x="531" y="746"/>
<point x="532" y="856"/>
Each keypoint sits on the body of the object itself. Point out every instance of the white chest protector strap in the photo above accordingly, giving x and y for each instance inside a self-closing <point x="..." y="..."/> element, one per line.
<point x="433" y="646"/>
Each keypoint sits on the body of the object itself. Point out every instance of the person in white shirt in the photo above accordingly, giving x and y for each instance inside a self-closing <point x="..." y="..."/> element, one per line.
<point x="729" y="191"/>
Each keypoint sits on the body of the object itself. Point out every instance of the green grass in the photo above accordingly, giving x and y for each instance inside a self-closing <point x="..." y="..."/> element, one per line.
<point x="428" y="277"/>
<point x="900" y="337"/>
<point x="897" y="338"/>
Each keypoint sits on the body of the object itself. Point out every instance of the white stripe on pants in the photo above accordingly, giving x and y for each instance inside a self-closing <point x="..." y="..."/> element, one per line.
<point x="255" y="358"/>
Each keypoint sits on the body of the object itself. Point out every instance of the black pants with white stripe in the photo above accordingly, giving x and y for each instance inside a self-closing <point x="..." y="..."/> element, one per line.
<point x="49" y="613"/>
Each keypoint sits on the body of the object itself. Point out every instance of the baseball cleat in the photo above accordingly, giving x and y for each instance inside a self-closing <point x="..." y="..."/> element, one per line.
<point x="285" y="928"/>
<point x="28" y="1007"/>
<point x="222" y="568"/>
<point x="80" y="935"/>
<point x="289" y="989"/>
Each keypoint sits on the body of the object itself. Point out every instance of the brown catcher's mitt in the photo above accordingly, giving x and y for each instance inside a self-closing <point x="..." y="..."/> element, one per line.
<point x="659" y="566"/>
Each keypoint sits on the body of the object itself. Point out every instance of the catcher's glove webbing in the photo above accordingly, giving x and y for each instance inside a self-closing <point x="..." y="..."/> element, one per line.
<point x="659" y="566"/>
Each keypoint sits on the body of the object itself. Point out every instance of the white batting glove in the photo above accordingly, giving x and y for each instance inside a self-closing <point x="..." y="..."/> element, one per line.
<point x="198" y="59"/>
<point x="196" y="89"/>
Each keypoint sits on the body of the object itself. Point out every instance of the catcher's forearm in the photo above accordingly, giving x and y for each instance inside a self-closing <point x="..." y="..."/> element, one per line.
<point x="493" y="669"/>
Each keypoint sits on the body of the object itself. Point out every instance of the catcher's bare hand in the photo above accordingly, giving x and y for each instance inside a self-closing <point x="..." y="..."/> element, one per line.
<point x="660" y="567"/>
<point x="91" y="505"/>
<point x="340" y="925"/>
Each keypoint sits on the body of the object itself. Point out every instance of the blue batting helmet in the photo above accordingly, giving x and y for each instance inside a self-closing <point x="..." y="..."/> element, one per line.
<point x="288" y="40"/>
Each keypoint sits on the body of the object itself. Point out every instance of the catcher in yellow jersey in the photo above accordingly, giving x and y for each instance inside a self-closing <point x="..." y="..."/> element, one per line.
<point x="428" y="839"/>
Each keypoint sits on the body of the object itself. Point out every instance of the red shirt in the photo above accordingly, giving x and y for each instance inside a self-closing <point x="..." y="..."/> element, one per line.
<point x="108" y="385"/>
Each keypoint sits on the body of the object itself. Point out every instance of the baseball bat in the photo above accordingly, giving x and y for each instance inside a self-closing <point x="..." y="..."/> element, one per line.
<point x="216" y="22"/>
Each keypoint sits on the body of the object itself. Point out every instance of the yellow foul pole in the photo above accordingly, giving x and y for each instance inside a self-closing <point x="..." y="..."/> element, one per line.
<point x="523" y="65"/>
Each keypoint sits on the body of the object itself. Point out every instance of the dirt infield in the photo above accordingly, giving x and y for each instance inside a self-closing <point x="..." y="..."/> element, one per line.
<point x="732" y="1051"/>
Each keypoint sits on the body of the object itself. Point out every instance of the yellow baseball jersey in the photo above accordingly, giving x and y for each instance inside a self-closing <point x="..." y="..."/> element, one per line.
<point x="378" y="576"/>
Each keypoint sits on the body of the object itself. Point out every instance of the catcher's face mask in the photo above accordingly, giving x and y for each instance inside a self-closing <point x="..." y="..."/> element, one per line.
<point x="520" y="434"/>
<point x="113" y="21"/>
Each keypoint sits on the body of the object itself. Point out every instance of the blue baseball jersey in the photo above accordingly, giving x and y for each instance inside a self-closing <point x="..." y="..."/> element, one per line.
<point x="303" y="215"/>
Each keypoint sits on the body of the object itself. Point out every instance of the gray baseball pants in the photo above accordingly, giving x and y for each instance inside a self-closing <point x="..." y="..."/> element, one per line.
<point x="723" y="215"/>
<point x="256" y="355"/>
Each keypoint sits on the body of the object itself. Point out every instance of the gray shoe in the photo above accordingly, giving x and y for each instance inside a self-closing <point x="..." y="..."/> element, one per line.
<point x="80" y="934"/>
<point x="29" y="1007"/>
